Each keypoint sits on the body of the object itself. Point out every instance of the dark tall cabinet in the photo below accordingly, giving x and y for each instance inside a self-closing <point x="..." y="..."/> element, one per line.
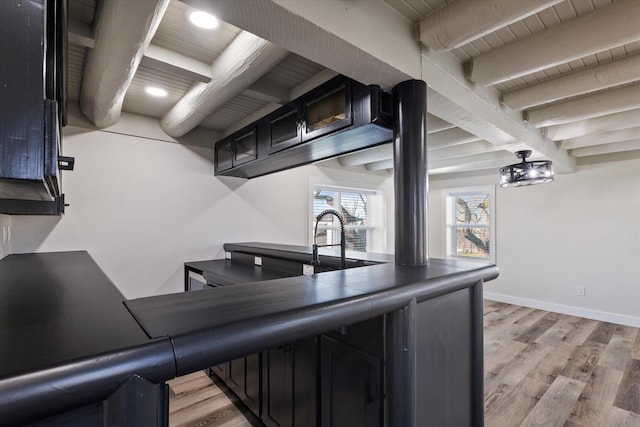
<point x="32" y="104"/>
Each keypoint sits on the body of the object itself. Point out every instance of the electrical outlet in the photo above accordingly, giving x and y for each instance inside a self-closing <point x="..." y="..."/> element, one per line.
<point x="227" y="255"/>
<point x="307" y="269"/>
<point x="257" y="260"/>
<point x="581" y="290"/>
<point x="5" y="234"/>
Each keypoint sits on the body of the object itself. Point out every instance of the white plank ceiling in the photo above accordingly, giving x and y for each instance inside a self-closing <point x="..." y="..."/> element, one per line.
<point x="561" y="77"/>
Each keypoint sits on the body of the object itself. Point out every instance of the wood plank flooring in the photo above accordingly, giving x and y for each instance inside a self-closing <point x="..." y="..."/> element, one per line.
<point x="541" y="369"/>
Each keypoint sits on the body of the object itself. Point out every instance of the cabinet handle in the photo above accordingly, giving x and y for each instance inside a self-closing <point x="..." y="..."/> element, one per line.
<point x="371" y="383"/>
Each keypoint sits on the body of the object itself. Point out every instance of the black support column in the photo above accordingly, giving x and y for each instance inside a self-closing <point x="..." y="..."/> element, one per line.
<point x="410" y="171"/>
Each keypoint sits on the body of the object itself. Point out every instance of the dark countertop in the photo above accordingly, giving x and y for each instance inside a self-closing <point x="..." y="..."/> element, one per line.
<point x="229" y="322"/>
<point x="64" y="306"/>
<point x="67" y="339"/>
<point x="177" y="314"/>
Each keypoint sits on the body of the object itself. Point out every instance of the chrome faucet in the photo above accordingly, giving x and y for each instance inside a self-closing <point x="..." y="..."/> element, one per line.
<point x="316" y="258"/>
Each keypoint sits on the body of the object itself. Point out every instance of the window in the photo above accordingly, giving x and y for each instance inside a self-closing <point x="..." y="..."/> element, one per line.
<point x="469" y="215"/>
<point x="362" y="214"/>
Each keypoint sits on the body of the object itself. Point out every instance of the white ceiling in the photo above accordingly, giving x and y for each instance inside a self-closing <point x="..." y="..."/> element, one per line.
<point x="560" y="77"/>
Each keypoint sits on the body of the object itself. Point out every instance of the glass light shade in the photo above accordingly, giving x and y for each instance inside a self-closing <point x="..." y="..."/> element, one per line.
<point x="526" y="173"/>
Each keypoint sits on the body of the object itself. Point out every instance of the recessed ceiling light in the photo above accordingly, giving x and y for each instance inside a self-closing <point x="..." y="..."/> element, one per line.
<point x="155" y="91"/>
<point x="203" y="20"/>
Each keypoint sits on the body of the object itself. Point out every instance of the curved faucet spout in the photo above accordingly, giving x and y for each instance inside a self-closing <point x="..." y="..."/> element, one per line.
<point x="316" y="258"/>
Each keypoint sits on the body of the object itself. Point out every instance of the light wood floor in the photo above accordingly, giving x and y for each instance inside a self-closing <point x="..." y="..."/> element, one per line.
<point x="541" y="369"/>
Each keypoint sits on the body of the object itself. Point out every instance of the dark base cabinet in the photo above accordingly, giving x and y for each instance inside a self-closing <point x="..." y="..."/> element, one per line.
<point x="244" y="379"/>
<point x="221" y="371"/>
<point x="413" y="365"/>
<point x="351" y="375"/>
<point x="289" y="395"/>
<point x="137" y="403"/>
<point x="335" y="379"/>
<point x="351" y="386"/>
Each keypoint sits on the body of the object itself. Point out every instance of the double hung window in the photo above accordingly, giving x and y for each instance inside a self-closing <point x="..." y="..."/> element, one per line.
<point x="469" y="217"/>
<point x="362" y="214"/>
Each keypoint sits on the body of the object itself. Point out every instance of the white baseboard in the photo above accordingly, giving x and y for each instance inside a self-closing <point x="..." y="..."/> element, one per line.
<point x="603" y="316"/>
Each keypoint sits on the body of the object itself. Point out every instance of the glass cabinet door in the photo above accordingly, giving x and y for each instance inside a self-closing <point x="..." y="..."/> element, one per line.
<point x="224" y="155"/>
<point x="327" y="112"/>
<point x="284" y="130"/>
<point x="246" y="147"/>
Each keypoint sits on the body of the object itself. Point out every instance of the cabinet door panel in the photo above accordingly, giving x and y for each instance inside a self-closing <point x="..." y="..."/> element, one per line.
<point x="284" y="130"/>
<point x="245" y="147"/>
<point x="251" y="393"/>
<point x="221" y="370"/>
<point x="327" y="111"/>
<point x="244" y="380"/>
<point x="351" y="386"/>
<point x="224" y="155"/>
<point x="235" y="377"/>
<point x="278" y="386"/>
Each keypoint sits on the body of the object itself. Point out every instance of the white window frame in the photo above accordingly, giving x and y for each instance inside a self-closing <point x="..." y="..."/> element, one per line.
<point x="448" y="240"/>
<point x="379" y="242"/>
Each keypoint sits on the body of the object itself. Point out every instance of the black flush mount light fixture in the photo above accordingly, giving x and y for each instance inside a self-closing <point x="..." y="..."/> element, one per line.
<point x="526" y="173"/>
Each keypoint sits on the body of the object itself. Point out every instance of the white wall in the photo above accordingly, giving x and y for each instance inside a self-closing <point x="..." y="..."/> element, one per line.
<point x="143" y="207"/>
<point x="5" y="235"/>
<point x="583" y="229"/>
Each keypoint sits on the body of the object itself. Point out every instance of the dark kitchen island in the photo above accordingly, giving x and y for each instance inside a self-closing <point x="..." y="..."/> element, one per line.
<point x="431" y="317"/>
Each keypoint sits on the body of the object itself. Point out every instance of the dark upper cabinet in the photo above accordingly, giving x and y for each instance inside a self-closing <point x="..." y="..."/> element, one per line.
<point x="224" y="154"/>
<point x="321" y="111"/>
<point x="326" y="109"/>
<point x="245" y="146"/>
<point x="283" y="129"/>
<point x="236" y="149"/>
<point x="32" y="104"/>
<point x="337" y="117"/>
